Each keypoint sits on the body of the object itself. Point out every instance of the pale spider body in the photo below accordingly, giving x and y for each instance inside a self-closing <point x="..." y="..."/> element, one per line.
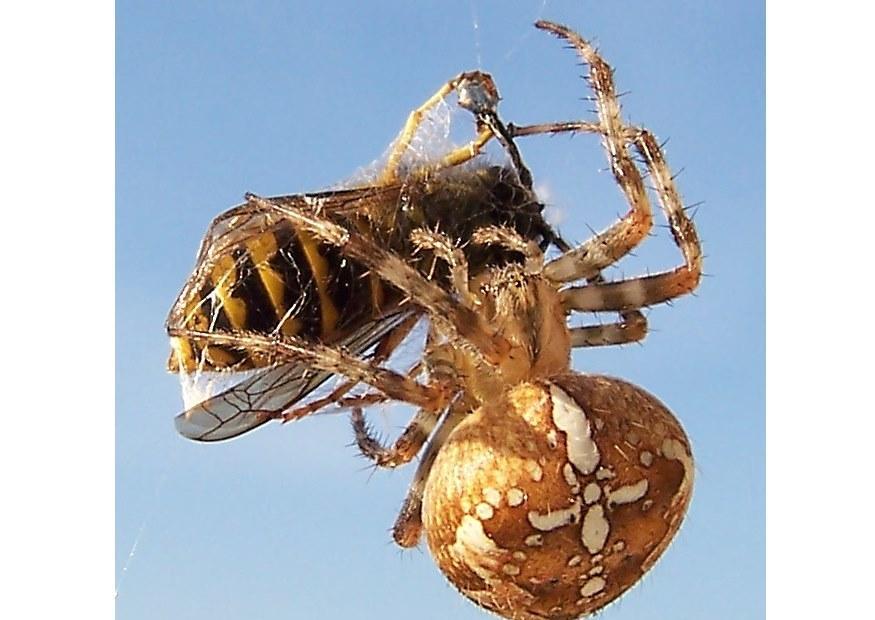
<point x="542" y="492"/>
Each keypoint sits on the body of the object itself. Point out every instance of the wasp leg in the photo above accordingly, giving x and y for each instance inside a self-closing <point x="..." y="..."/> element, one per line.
<point x="478" y="95"/>
<point x="407" y="446"/>
<point x="477" y="92"/>
<point x="408" y="526"/>
<point x="464" y="153"/>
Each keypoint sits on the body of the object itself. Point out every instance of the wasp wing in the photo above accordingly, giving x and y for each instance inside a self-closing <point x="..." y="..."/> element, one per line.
<point x="264" y="393"/>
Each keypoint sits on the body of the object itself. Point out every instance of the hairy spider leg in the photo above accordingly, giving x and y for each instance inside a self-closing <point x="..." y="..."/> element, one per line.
<point x="387" y="345"/>
<point x="590" y="258"/>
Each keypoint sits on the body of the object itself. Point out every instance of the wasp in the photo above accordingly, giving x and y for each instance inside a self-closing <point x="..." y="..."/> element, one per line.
<point x="260" y="272"/>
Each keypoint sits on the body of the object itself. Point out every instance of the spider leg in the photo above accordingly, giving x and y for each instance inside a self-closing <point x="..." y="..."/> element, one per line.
<point x="315" y="405"/>
<point x="617" y="240"/>
<point x="511" y="240"/>
<point x="408" y="526"/>
<point x="454" y="318"/>
<point x="444" y="249"/>
<point x="587" y="260"/>
<point x="408" y="444"/>
<point x="373" y="398"/>
<point x="332" y="360"/>
<point x="363" y="400"/>
<point x="652" y="289"/>
<point x="631" y="327"/>
<point x="383" y="351"/>
<point x="608" y="246"/>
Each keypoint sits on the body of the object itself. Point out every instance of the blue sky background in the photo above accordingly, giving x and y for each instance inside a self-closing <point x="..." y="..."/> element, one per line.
<point x="218" y="98"/>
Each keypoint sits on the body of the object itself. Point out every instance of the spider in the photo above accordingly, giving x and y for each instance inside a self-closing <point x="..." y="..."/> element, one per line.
<point x="542" y="492"/>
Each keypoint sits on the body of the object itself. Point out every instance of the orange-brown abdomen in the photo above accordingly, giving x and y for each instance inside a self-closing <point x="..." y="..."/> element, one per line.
<point x="555" y="503"/>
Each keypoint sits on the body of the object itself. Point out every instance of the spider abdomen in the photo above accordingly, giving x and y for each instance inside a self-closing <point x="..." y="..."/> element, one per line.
<point x="554" y="504"/>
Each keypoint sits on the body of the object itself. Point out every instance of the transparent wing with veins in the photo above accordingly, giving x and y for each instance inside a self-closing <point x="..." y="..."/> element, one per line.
<point x="217" y="410"/>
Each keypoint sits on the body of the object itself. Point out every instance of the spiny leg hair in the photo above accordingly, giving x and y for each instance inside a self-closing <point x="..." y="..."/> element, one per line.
<point x="607" y="247"/>
<point x="444" y="249"/>
<point x="616" y="241"/>
<point x="407" y="446"/>
<point x="632" y="327"/>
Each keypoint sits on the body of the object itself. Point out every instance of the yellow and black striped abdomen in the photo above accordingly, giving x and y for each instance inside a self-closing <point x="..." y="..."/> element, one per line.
<point x="258" y="273"/>
<point x="282" y="282"/>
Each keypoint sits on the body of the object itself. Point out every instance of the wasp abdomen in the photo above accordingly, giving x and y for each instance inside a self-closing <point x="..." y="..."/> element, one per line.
<point x="281" y="282"/>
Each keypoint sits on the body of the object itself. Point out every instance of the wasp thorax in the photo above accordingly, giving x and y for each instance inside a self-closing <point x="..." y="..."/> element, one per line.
<point x="554" y="502"/>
